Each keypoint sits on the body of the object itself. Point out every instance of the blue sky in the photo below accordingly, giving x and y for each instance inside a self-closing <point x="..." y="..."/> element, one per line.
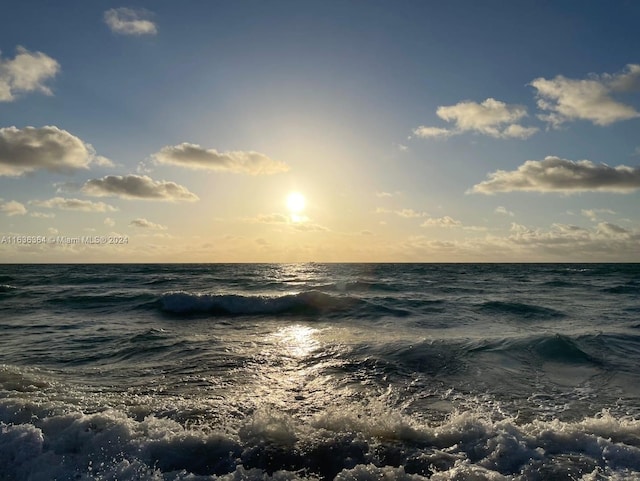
<point x="416" y="131"/>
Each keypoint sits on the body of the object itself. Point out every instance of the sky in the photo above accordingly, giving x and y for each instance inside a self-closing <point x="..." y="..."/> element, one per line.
<point x="320" y="131"/>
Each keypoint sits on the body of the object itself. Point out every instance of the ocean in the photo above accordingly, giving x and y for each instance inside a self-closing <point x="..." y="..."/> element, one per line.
<point x="320" y="371"/>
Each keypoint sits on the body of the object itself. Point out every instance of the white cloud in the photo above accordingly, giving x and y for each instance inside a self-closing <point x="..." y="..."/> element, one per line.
<point x="27" y="72"/>
<point x="102" y="161"/>
<point x="592" y="214"/>
<point x="445" y="221"/>
<point x="410" y="213"/>
<point x="503" y="211"/>
<point x="12" y="208"/>
<point x="127" y="21"/>
<point x="432" y="132"/>
<point x="42" y="215"/>
<point x="554" y="174"/>
<point x="138" y="187"/>
<point x="146" y="224"/>
<point x="405" y="213"/>
<point x="193" y="156"/>
<point x="73" y="204"/>
<point x="384" y="194"/>
<point x="589" y="99"/>
<point x="491" y="117"/>
<point x="612" y="230"/>
<point x="28" y="149"/>
<point x="109" y="222"/>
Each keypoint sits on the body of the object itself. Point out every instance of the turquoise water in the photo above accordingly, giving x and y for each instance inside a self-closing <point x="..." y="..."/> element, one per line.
<point x="320" y="371"/>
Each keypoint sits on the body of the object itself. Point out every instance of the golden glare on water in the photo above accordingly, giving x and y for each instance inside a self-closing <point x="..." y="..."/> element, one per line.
<point x="297" y="341"/>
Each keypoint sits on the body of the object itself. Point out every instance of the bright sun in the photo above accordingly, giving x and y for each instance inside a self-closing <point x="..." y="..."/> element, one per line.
<point x="295" y="202"/>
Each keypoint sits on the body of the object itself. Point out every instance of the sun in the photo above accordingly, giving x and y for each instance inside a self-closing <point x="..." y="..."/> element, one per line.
<point x="295" y="202"/>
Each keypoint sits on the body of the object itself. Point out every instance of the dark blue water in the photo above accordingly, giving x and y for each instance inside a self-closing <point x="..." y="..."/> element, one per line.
<point x="320" y="371"/>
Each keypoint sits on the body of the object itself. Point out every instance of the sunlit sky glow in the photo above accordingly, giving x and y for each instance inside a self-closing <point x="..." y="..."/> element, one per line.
<point x="413" y="131"/>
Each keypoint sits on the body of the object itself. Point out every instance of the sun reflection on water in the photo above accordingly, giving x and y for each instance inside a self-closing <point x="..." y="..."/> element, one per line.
<point x="297" y="341"/>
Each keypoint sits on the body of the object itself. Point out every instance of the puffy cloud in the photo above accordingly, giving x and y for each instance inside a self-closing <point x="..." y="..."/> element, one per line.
<point x="27" y="72"/>
<point x="146" y="224"/>
<point x="138" y="187"/>
<point x="554" y="174"/>
<point x="28" y="149"/>
<point x="74" y="204"/>
<point x="127" y="21"/>
<point x="109" y="222"/>
<point x="491" y="117"/>
<point x="193" y="156"/>
<point x="589" y="99"/>
<point x="12" y="208"/>
<point x="445" y="221"/>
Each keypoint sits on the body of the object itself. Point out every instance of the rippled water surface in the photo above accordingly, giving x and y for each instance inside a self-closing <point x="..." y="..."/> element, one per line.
<point x="320" y="371"/>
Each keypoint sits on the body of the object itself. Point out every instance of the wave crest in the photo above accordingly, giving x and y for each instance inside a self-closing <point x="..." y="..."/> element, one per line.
<point x="234" y="304"/>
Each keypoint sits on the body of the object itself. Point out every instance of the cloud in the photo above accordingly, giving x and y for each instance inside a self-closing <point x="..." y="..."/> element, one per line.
<point x="503" y="210"/>
<point x="109" y="222"/>
<point x="410" y="213"/>
<point x="127" y="21"/>
<point x="138" y="187"/>
<point x="384" y="194"/>
<point x="193" y="156"/>
<point x="296" y="223"/>
<point x="50" y="148"/>
<point x="12" y="208"/>
<point x="271" y="219"/>
<point x="146" y="224"/>
<point x="592" y="214"/>
<point x="74" y="204"/>
<point x="42" y="215"/>
<point x="433" y="132"/>
<point x="445" y="221"/>
<point x="491" y="117"/>
<point x="405" y="213"/>
<point x="554" y="174"/>
<point x="612" y="230"/>
<point x="27" y="72"/>
<point x="589" y="99"/>
<point x="308" y="227"/>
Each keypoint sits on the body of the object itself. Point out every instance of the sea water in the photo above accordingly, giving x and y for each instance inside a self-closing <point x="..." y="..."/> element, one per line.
<point x="320" y="371"/>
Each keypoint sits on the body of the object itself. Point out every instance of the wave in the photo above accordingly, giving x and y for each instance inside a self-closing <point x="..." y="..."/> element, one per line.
<point x="522" y="310"/>
<point x="7" y="288"/>
<point x="630" y="288"/>
<point x="363" y="441"/>
<point x="308" y="302"/>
